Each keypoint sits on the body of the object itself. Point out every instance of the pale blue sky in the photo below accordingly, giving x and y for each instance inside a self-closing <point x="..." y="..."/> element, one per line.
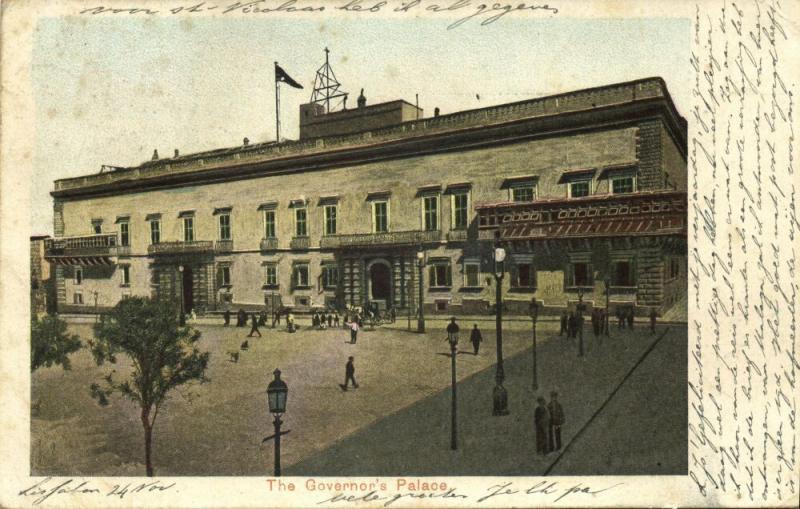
<point x="110" y="90"/>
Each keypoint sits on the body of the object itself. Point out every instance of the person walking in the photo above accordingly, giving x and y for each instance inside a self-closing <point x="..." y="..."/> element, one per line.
<point x="254" y="326"/>
<point x="353" y="332"/>
<point x="349" y="374"/>
<point x="541" y="417"/>
<point x="290" y="322"/>
<point x="336" y="319"/>
<point x="556" y="421"/>
<point x="564" y="322"/>
<point x="653" y="316"/>
<point x="226" y="316"/>
<point x="630" y="318"/>
<point x="476" y="338"/>
<point x="276" y="319"/>
<point x="595" y="322"/>
<point x="330" y="320"/>
<point x="393" y="313"/>
<point x="620" y="318"/>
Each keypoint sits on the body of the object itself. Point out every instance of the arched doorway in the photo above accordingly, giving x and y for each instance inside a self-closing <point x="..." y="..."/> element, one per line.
<point x="380" y="286"/>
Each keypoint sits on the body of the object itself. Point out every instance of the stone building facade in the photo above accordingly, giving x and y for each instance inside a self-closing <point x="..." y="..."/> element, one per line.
<point x="43" y="298"/>
<point x="342" y="219"/>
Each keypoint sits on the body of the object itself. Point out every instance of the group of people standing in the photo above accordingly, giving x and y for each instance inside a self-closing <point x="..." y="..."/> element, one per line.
<point x="571" y="323"/>
<point x="321" y="320"/>
<point x="548" y="419"/>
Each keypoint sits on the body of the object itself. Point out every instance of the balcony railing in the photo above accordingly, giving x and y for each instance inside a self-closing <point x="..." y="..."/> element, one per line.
<point x="172" y="248"/>
<point x="86" y="245"/>
<point x="412" y="237"/>
<point x="223" y="246"/>
<point x="299" y="243"/>
<point x="270" y="244"/>
<point x="456" y="235"/>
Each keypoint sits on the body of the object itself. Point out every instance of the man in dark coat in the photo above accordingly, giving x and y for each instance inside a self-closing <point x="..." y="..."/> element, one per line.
<point x="349" y="374"/>
<point x="556" y="421"/>
<point x="595" y="322"/>
<point x="476" y="338"/>
<point x="227" y="317"/>
<point x="541" y="417"/>
<point x="393" y="314"/>
<point x="630" y="318"/>
<point x="330" y="320"/>
<point x="564" y="319"/>
<point x="241" y="318"/>
<point x="653" y="316"/>
<point x="336" y="319"/>
<point x="254" y="326"/>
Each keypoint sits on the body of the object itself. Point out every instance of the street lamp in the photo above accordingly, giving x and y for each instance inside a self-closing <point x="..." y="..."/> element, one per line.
<point x="534" y="317"/>
<point x="452" y="338"/>
<point x="96" y="313"/>
<point x="421" y="266"/>
<point x="608" y="293"/>
<point x="182" y="317"/>
<point x="276" y="401"/>
<point x="409" y="300"/>
<point x="579" y="309"/>
<point x="500" y="396"/>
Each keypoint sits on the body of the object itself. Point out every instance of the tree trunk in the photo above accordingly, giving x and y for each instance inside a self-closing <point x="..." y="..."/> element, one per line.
<point x="148" y="440"/>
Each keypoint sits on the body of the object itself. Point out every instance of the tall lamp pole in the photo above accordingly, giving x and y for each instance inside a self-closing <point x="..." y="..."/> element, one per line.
<point x="608" y="293"/>
<point x="580" y="323"/>
<point x="421" y="266"/>
<point x="452" y="338"/>
<point x="276" y="401"/>
<point x="409" y="302"/>
<point x="500" y="395"/>
<point x="534" y="317"/>
<point x="182" y="317"/>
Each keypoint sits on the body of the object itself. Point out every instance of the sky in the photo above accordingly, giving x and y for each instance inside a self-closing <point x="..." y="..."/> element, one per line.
<point x="111" y="90"/>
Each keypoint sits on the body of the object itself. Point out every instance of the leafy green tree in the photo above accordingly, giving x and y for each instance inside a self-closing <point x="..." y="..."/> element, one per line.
<point x="163" y="356"/>
<point x="50" y="342"/>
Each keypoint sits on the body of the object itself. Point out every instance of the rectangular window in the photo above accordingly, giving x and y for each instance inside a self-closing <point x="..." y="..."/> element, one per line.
<point x="579" y="188"/>
<point x="330" y="276"/>
<point x="300" y="229"/>
<point x="622" y="273"/>
<point x="188" y="229"/>
<point x="125" y="274"/>
<point x="472" y="275"/>
<point x="124" y="234"/>
<point x="97" y="226"/>
<point x="155" y="231"/>
<point x="225" y="275"/>
<point x="622" y="185"/>
<point x="460" y="210"/>
<point x="224" y="227"/>
<point x="301" y="276"/>
<point x="523" y="193"/>
<point x="78" y="275"/>
<point x="524" y="276"/>
<point x="439" y="275"/>
<point x="430" y="213"/>
<point x="77" y="298"/>
<point x="269" y="224"/>
<point x="271" y="275"/>
<point x="380" y="216"/>
<point x="581" y="275"/>
<point x="330" y="219"/>
<point x="673" y="268"/>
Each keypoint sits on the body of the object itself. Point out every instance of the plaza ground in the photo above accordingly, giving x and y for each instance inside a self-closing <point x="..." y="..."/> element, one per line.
<point x="625" y="403"/>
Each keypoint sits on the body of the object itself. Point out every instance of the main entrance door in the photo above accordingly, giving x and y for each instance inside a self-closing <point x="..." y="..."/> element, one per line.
<point x="380" y="283"/>
<point x="188" y="289"/>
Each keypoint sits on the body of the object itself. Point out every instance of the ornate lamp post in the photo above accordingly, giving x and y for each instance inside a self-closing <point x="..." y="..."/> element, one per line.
<point x="421" y="266"/>
<point x="608" y="293"/>
<point x="410" y="300"/>
<point x="276" y="400"/>
<point x="500" y="396"/>
<point x="579" y="309"/>
<point x="182" y="317"/>
<point x="452" y="338"/>
<point x="534" y="317"/>
<point x="96" y="313"/>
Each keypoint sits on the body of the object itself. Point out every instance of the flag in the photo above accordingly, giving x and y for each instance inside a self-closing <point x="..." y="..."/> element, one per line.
<point x="280" y="75"/>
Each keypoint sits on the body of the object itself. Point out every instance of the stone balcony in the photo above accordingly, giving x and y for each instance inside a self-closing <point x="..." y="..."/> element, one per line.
<point x="223" y="246"/>
<point x="179" y="248"/>
<point x="270" y="244"/>
<point x="300" y="243"/>
<point x="99" y="249"/>
<point x="407" y="238"/>
<point x="457" y="236"/>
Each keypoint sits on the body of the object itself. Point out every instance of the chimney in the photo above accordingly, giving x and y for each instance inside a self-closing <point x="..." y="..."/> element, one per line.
<point x="155" y="155"/>
<point x="246" y="142"/>
<point x="362" y="101"/>
<point x="436" y="111"/>
<point x="176" y="153"/>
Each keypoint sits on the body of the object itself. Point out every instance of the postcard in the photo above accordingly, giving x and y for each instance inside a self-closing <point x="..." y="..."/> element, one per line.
<point x="399" y="253"/>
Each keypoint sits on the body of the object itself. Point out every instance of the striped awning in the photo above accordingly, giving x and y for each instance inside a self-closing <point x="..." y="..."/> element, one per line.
<point x="81" y="260"/>
<point x="598" y="228"/>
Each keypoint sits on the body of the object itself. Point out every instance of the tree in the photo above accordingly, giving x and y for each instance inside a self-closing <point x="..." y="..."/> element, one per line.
<point x="50" y="343"/>
<point x="163" y="356"/>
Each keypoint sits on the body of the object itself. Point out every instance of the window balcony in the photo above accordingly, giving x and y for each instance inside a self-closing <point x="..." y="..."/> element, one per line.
<point x="457" y="236"/>
<point x="99" y="249"/>
<point x="412" y="238"/>
<point x="178" y="248"/>
<point x="270" y="244"/>
<point x="300" y="242"/>
<point x="223" y="246"/>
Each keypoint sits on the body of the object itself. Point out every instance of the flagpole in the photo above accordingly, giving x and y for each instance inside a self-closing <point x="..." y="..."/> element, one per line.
<point x="277" y="107"/>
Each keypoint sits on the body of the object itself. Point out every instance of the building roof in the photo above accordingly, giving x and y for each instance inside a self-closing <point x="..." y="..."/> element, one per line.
<point x="463" y="130"/>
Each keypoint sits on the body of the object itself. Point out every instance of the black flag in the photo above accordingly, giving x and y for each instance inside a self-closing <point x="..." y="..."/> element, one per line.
<point x="280" y="75"/>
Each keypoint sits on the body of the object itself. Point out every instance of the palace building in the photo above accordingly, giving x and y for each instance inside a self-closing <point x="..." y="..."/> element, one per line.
<point x="586" y="190"/>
